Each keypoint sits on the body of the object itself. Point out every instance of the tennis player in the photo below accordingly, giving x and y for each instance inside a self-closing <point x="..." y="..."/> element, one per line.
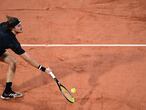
<point x="8" y="40"/>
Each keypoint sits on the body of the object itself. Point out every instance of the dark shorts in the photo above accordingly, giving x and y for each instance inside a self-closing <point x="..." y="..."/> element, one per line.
<point x="2" y="52"/>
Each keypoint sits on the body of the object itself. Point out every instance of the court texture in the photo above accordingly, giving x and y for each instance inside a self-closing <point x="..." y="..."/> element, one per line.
<point x="96" y="46"/>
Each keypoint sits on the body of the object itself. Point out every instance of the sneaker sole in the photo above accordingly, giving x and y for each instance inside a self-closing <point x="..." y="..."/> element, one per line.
<point x="21" y="95"/>
<point x="8" y="98"/>
<point x="5" y="98"/>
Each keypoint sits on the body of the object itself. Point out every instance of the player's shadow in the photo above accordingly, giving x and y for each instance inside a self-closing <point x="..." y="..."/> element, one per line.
<point x="35" y="82"/>
<point x="102" y="65"/>
<point x="3" y="81"/>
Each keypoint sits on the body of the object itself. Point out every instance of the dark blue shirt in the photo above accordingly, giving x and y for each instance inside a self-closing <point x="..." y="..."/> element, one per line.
<point x="8" y="41"/>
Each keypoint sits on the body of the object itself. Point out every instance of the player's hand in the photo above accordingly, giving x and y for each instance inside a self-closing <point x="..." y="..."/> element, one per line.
<point x="48" y="70"/>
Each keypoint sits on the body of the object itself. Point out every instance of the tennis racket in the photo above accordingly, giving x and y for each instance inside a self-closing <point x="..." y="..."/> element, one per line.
<point x="63" y="89"/>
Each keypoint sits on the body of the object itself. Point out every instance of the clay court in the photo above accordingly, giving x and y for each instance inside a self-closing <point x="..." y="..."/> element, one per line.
<point x="106" y="77"/>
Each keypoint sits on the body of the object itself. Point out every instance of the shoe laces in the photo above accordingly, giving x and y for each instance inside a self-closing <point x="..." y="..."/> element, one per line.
<point x="12" y="92"/>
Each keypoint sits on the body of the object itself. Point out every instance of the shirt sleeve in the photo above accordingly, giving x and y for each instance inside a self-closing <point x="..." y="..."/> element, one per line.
<point x="16" y="47"/>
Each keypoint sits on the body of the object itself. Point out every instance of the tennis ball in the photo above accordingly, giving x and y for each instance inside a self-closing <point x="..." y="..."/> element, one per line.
<point x="73" y="90"/>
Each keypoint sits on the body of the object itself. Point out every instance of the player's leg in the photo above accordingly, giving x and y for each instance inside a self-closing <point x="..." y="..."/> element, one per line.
<point x="6" y="58"/>
<point x="8" y="93"/>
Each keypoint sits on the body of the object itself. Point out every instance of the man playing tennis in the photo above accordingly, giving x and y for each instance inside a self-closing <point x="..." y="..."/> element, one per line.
<point x="8" y="40"/>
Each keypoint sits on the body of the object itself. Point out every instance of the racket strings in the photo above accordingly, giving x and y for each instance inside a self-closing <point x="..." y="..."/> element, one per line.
<point x="67" y="94"/>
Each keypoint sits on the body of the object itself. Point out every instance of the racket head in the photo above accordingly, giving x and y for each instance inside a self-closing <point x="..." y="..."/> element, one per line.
<point x="66" y="94"/>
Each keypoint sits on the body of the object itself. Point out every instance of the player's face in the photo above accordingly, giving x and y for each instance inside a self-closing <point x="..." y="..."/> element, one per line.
<point x="18" y="28"/>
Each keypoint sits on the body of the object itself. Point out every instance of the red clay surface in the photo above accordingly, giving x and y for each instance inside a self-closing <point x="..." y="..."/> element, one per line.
<point x="106" y="78"/>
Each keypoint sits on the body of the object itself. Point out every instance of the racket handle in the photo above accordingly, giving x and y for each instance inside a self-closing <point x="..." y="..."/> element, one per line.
<point x="52" y="75"/>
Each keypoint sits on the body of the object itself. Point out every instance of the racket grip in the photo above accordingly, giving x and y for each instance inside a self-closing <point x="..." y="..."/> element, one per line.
<point x="52" y="75"/>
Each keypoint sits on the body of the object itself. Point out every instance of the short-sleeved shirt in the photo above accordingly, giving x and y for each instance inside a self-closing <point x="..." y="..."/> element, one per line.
<point x="8" y="40"/>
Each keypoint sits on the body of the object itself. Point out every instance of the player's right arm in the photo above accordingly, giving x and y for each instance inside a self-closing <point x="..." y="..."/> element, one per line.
<point x="33" y="62"/>
<point x="16" y="47"/>
<point x="30" y="60"/>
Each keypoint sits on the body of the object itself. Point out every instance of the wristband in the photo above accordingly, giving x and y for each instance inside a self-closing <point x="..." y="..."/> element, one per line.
<point x="42" y="68"/>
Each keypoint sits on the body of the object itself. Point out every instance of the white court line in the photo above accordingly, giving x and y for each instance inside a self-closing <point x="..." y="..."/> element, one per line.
<point x="83" y="45"/>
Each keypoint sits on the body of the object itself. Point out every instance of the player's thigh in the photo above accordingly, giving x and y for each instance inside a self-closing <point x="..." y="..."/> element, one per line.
<point x="7" y="58"/>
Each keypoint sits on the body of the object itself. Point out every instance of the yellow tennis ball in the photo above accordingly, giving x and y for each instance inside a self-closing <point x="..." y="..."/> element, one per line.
<point x="73" y="90"/>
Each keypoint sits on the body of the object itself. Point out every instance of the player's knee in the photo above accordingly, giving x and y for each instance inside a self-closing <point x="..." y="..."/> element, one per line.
<point x="12" y="65"/>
